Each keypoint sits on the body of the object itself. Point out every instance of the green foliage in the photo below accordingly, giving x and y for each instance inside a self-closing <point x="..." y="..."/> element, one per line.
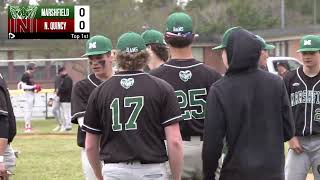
<point x="245" y="14"/>
<point x="149" y="5"/>
<point x="303" y="11"/>
<point x="201" y="4"/>
<point x="216" y="16"/>
<point x="115" y="17"/>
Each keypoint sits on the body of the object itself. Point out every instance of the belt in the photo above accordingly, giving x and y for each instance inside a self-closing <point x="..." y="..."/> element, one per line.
<point x="130" y="162"/>
<point x="192" y="138"/>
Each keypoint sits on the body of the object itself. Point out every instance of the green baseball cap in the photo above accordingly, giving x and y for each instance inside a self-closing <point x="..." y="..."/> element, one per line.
<point x="179" y="22"/>
<point x="97" y="45"/>
<point x="153" y="37"/>
<point x="131" y="42"/>
<point x="225" y="38"/>
<point x="309" y="43"/>
<point x="265" y="46"/>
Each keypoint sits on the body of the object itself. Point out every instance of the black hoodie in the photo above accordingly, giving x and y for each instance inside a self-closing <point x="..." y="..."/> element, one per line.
<point x="250" y="108"/>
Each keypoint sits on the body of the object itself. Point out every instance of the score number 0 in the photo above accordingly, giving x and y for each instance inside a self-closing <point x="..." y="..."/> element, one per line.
<point x="81" y="19"/>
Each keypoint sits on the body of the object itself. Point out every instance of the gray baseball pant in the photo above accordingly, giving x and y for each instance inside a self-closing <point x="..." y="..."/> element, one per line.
<point x="298" y="165"/>
<point x="192" y="168"/>
<point x="9" y="159"/>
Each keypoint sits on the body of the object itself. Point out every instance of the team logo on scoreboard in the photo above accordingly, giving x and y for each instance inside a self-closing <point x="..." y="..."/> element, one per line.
<point x="21" y="19"/>
<point x="23" y="12"/>
<point x="49" y="22"/>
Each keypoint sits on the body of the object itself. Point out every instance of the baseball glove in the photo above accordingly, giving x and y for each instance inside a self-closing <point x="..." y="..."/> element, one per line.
<point x="37" y="88"/>
<point x="4" y="175"/>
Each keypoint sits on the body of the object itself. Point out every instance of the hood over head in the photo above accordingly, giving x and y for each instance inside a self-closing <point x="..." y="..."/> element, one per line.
<point x="243" y="51"/>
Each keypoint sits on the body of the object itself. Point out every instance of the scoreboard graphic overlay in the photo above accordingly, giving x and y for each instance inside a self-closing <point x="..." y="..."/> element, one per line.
<point x="49" y="22"/>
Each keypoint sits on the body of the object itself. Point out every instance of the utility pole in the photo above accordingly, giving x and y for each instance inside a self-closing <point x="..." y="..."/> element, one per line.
<point x="283" y="18"/>
<point x="314" y="11"/>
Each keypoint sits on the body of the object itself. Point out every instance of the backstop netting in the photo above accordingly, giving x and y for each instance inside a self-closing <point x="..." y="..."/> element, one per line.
<point x="45" y="74"/>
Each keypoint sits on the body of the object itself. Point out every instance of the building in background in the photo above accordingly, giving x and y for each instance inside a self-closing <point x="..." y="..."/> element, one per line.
<point x="286" y="42"/>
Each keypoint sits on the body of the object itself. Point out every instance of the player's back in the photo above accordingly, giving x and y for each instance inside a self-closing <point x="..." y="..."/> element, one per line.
<point x="135" y="107"/>
<point x="191" y="81"/>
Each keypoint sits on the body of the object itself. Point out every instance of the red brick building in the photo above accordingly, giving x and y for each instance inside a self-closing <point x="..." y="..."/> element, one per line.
<point x="286" y="42"/>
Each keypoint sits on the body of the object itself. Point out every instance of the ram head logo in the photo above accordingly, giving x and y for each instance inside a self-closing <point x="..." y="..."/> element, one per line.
<point x="185" y="75"/>
<point x="127" y="82"/>
<point x="21" y="12"/>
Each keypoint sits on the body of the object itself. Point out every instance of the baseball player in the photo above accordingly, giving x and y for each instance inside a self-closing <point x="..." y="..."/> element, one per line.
<point x="29" y="87"/>
<point x="264" y="53"/>
<point x="303" y="86"/>
<point x="98" y="51"/>
<point x="7" y="132"/>
<point x="250" y="109"/>
<point x="129" y="116"/>
<point x="56" y="104"/>
<point x="282" y="69"/>
<point x="156" y="48"/>
<point x="64" y="93"/>
<point x="191" y="80"/>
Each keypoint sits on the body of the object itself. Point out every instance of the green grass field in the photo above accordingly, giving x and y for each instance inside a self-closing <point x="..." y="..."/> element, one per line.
<point x="44" y="155"/>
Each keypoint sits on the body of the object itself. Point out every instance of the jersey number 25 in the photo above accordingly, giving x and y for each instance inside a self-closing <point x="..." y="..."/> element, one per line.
<point x="192" y="100"/>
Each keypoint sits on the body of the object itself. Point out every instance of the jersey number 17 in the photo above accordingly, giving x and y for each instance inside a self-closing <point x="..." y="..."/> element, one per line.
<point x="131" y="124"/>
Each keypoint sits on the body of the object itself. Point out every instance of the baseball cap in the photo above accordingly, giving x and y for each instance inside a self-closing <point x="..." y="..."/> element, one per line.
<point x="131" y="42"/>
<point x="98" y="45"/>
<point x="153" y="37"/>
<point x="309" y="43"/>
<point x="225" y="38"/>
<point x="179" y="23"/>
<point x="265" y="46"/>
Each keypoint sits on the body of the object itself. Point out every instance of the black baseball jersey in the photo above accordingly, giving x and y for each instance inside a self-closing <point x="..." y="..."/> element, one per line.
<point x="27" y="78"/>
<point x="7" y="118"/>
<point x="130" y="111"/>
<point x="79" y="101"/>
<point x="65" y="89"/>
<point x="191" y="81"/>
<point x="304" y="93"/>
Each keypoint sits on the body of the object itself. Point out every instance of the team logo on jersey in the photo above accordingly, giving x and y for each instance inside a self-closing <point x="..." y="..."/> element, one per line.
<point x="127" y="82"/>
<point x="295" y="84"/>
<point x="185" y="75"/>
<point x="316" y="116"/>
